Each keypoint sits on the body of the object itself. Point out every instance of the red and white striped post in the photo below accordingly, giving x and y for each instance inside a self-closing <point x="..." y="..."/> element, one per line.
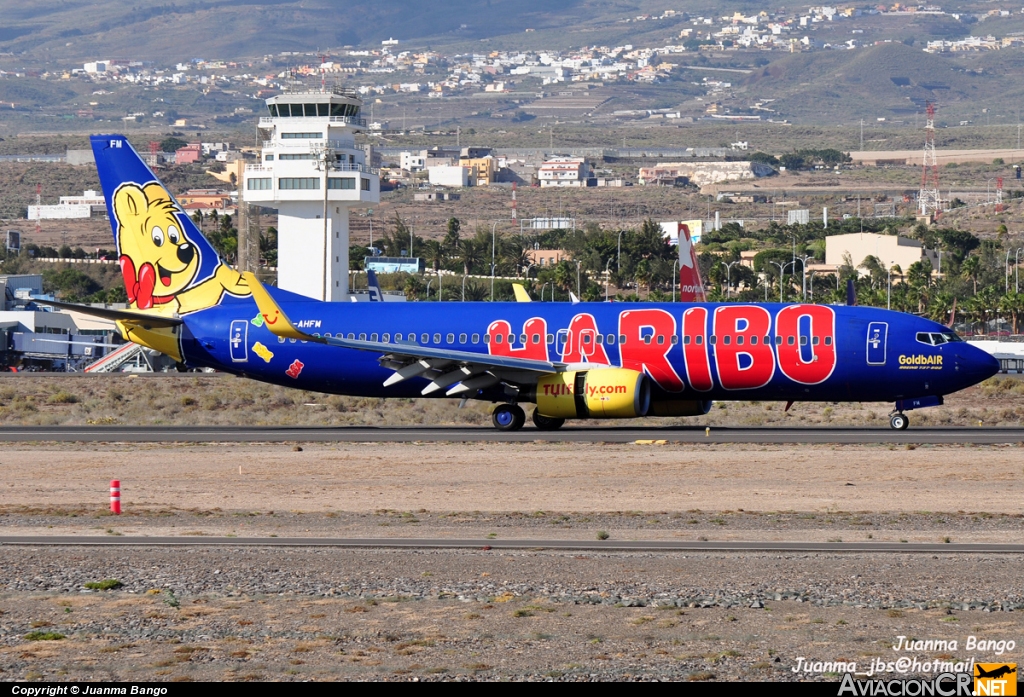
<point x="115" y="496"/>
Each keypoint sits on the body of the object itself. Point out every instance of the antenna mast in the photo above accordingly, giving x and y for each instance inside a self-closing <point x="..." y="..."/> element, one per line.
<point x="928" y="199"/>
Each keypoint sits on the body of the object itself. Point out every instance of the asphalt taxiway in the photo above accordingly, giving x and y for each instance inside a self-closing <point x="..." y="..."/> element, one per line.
<point x="438" y="434"/>
<point x="511" y="544"/>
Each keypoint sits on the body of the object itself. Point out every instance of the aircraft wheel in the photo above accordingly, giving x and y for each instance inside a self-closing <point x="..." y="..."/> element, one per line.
<point x="508" y="417"/>
<point x="546" y="423"/>
<point x="899" y="422"/>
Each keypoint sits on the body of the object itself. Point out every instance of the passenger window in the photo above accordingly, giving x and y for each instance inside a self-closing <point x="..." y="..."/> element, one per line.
<point x="803" y="341"/>
<point x="599" y="338"/>
<point x="462" y="338"/>
<point x="373" y="337"/>
<point x="739" y="341"/>
<point x="535" y="338"/>
<point x="698" y="340"/>
<point x="550" y="339"/>
<point x="814" y="340"/>
<point x="753" y="340"/>
<point x="350" y="336"/>
<point x="291" y="341"/>
<point x="713" y="339"/>
<point x="767" y="340"/>
<point x="386" y="338"/>
<point x="424" y="338"/>
<point x="622" y="338"/>
<point x="522" y="339"/>
<point x="586" y="339"/>
<point x="328" y="334"/>
<point x="726" y="339"/>
<point x="661" y="339"/>
<point x="828" y="341"/>
<point x="778" y="341"/>
<point x="476" y="338"/>
<point x="675" y="339"/>
<point x="610" y="339"/>
<point x="686" y="341"/>
<point x="280" y="339"/>
<point x="437" y="338"/>
<point x="647" y="339"/>
<point x="362" y="337"/>
<point x="487" y="339"/>
<point x="449" y="338"/>
<point x="497" y="338"/>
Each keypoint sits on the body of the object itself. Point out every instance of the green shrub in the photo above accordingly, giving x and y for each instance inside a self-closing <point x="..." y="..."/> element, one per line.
<point x="104" y="585"/>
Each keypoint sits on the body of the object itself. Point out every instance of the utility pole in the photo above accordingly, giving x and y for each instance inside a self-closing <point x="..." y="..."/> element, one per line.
<point x="862" y="134"/>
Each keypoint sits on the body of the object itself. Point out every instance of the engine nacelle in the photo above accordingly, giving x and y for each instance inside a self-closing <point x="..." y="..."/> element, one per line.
<point x="604" y="393"/>
<point x="680" y="407"/>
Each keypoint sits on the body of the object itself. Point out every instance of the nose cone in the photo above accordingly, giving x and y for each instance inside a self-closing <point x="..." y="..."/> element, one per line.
<point x="975" y="365"/>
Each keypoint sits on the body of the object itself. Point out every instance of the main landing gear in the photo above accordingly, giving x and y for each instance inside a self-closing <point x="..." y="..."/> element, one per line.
<point x="510" y="417"/>
<point x="899" y="421"/>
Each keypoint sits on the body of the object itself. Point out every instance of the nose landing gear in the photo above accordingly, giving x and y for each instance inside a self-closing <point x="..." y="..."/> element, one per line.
<point x="899" y="421"/>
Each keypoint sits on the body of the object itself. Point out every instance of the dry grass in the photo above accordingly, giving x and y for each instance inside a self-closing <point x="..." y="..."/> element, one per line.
<point x="225" y="400"/>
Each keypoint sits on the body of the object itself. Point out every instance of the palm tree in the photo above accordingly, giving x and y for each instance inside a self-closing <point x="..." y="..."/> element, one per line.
<point x="970" y="269"/>
<point x="434" y="253"/>
<point x="471" y="254"/>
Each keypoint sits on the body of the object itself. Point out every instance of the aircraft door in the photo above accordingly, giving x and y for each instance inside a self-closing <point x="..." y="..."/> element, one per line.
<point x="238" y="340"/>
<point x="563" y="342"/>
<point x="877" y="337"/>
<point x="588" y="342"/>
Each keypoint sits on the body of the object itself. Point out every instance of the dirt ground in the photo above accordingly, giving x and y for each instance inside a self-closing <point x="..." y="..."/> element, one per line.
<point x="253" y="613"/>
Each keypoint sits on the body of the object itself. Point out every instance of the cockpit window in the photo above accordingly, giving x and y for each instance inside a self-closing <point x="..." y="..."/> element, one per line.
<point x="938" y="338"/>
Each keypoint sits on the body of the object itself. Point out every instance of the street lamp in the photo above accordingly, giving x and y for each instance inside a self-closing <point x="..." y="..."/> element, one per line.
<point x="888" y="288"/>
<point x="494" y="225"/>
<point x="674" y="265"/>
<point x="542" y="291"/>
<point x="728" y="276"/>
<point x="782" y="273"/>
<point x="1016" y="270"/>
<point x="440" y="298"/>
<point x="812" y="285"/>
<point x="578" y="289"/>
<point x="1006" y="273"/>
<point x="427" y="296"/>
<point x="607" y="278"/>
<point x="463" y="287"/>
<point x="803" y="261"/>
<point x="618" y="258"/>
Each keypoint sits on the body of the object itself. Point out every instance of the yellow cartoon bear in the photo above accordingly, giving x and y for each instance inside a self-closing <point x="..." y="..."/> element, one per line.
<point x="158" y="262"/>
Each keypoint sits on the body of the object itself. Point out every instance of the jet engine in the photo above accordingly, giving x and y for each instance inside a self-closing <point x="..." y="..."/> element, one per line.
<point x="605" y="393"/>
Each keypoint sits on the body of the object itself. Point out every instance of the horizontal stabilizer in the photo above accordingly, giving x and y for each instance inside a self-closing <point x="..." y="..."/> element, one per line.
<point x="146" y="320"/>
<point x="521" y="295"/>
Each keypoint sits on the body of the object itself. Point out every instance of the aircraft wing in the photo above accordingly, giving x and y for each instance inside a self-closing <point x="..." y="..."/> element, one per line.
<point x="460" y="371"/>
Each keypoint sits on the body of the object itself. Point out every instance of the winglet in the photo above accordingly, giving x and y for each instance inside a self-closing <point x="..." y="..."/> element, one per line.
<point x="521" y="295"/>
<point x="573" y="298"/>
<point x="274" y="317"/>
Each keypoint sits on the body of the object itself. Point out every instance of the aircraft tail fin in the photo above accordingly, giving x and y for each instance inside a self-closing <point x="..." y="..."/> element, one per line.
<point x="851" y="293"/>
<point x="521" y="295"/>
<point x="691" y="287"/>
<point x="168" y="266"/>
<point x="371" y="282"/>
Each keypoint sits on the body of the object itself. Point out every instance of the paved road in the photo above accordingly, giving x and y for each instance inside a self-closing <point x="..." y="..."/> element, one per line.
<point x="360" y="434"/>
<point x="566" y="545"/>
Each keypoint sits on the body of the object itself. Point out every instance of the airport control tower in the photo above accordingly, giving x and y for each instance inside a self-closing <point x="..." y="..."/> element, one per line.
<point x="311" y="171"/>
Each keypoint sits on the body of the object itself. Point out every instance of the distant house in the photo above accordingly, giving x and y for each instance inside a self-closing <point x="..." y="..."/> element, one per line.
<point x="565" y="171"/>
<point x="188" y="154"/>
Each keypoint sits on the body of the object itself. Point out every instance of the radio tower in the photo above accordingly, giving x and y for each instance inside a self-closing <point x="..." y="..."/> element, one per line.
<point x="928" y="198"/>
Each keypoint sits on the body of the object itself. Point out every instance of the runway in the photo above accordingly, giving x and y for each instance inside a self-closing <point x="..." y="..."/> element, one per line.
<point x="515" y="544"/>
<point x="436" y="434"/>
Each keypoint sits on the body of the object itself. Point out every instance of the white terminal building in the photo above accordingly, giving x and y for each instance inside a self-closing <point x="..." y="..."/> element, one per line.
<point x="310" y="165"/>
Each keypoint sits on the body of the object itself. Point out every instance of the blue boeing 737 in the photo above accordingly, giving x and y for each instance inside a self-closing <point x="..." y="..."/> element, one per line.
<point x="573" y="361"/>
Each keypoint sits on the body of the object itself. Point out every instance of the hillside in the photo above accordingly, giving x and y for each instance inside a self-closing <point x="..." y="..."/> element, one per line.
<point x="890" y="81"/>
<point x="231" y="29"/>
